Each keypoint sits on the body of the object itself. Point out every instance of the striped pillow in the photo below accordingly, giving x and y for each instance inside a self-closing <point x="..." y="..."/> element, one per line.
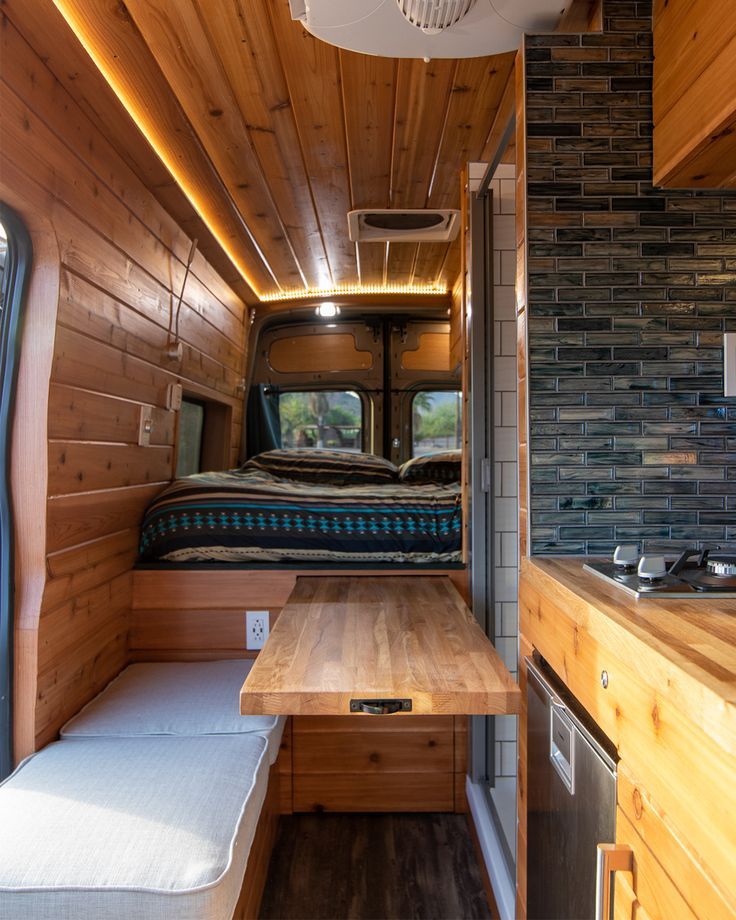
<point x="439" y="467"/>
<point x="338" y="467"/>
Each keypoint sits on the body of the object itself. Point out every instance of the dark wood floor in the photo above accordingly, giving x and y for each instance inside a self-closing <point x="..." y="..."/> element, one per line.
<point x="374" y="867"/>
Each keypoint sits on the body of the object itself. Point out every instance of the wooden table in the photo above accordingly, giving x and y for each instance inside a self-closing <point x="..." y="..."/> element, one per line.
<point x="344" y="639"/>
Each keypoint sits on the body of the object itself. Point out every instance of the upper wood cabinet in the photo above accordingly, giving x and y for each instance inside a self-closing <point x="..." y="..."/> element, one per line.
<point x="695" y="93"/>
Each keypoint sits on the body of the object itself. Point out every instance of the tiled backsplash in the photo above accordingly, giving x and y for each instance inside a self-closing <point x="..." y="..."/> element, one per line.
<point x="630" y="291"/>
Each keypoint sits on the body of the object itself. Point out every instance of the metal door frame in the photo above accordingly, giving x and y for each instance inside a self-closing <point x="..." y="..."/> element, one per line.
<point x="480" y="424"/>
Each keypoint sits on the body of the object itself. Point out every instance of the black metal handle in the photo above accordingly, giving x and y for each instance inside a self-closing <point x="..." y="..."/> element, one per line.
<point x="380" y="707"/>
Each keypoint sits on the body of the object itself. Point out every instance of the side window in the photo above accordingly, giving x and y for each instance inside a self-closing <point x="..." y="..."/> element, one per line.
<point x="191" y="431"/>
<point x="204" y="436"/>
<point x="321" y="418"/>
<point x="436" y="421"/>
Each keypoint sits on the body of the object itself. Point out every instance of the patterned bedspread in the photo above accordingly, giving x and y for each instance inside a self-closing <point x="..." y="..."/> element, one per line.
<point x="255" y="516"/>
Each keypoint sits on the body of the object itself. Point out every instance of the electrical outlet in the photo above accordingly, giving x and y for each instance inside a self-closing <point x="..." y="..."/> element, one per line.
<point x="256" y="628"/>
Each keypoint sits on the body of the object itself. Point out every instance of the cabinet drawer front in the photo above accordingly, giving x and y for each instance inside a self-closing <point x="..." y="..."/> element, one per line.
<point x="654" y="890"/>
<point x="682" y="866"/>
<point x="373" y="752"/>
<point x="378" y="792"/>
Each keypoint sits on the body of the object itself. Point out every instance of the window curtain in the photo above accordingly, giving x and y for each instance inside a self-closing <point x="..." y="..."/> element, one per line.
<point x="262" y="422"/>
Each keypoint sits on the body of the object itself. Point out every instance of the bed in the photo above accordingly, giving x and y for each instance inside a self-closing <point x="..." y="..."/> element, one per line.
<point x="255" y="515"/>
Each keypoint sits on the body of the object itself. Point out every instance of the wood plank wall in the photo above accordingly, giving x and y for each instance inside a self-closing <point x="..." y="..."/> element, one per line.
<point x="122" y="262"/>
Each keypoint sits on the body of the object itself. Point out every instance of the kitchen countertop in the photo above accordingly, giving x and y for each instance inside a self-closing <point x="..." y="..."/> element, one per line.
<point x="687" y="646"/>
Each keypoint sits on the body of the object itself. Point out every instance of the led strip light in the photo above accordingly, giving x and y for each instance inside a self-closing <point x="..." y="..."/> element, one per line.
<point x="348" y="290"/>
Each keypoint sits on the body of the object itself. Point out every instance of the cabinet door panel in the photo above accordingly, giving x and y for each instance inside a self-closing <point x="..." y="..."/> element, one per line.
<point x="653" y="825"/>
<point x="654" y="890"/>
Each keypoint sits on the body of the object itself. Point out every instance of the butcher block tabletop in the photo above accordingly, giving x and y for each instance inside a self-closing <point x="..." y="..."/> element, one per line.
<point x="342" y="641"/>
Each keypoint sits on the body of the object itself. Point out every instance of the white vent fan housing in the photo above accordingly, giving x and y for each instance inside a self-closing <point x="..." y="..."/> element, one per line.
<point x="427" y="28"/>
<point x="376" y="225"/>
<point x="434" y="16"/>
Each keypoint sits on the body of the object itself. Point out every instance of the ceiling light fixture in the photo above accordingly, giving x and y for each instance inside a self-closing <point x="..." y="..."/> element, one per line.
<point x="327" y="310"/>
<point x="352" y="290"/>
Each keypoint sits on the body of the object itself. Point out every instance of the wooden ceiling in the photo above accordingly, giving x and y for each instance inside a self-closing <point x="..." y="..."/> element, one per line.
<point x="280" y="134"/>
<point x="274" y="135"/>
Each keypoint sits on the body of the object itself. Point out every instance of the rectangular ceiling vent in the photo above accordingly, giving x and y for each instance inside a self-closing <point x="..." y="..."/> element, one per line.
<point x="373" y="225"/>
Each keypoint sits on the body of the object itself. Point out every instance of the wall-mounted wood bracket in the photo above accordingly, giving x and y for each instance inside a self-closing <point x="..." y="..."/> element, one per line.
<point x="174" y="397"/>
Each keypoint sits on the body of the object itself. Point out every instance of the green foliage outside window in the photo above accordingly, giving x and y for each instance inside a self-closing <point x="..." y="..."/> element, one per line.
<point x="436" y="421"/>
<point x="321" y="418"/>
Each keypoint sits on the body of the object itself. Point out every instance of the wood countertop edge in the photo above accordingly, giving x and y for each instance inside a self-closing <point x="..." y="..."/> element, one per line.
<point x="504" y="702"/>
<point x="712" y="702"/>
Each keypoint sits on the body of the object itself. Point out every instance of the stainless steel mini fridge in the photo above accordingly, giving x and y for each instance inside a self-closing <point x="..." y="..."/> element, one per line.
<point x="571" y="785"/>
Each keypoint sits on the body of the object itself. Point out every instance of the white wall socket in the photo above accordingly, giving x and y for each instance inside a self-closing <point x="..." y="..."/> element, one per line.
<point x="256" y="628"/>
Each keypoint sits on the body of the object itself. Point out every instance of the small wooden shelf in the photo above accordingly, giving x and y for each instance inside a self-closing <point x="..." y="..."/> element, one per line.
<point x="352" y="637"/>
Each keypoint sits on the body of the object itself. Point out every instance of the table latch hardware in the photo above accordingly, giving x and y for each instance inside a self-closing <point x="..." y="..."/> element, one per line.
<point x="380" y="707"/>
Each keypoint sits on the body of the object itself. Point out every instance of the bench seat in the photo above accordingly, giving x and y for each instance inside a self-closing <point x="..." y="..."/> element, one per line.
<point x="175" y="698"/>
<point x="155" y="828"/>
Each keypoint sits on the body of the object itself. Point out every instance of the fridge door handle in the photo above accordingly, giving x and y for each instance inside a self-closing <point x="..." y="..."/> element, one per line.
<point x="562" y="745"/>
<point x="612" y="857"/>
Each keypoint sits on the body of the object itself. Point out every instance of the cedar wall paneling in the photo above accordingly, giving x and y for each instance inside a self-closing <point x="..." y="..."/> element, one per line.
<point x="694" y="98"/>
<point x="122" y="267"/>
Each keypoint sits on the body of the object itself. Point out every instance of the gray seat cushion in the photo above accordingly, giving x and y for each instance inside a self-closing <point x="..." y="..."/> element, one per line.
<point x="175" y="698"/>
<point x="145" y="828"/>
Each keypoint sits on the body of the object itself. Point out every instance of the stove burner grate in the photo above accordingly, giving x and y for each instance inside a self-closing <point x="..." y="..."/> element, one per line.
<point x="721" y="566"/>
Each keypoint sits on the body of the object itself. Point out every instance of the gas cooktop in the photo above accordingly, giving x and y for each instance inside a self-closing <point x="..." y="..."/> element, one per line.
<point x="695" y="573"/>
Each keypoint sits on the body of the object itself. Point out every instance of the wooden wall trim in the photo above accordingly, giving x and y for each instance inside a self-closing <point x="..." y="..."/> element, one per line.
<point x="521" y="302"/>
<point x="29" y="463"/>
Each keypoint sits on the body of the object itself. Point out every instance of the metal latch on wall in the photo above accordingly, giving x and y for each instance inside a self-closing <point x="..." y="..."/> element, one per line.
<point x="485" y="475"/>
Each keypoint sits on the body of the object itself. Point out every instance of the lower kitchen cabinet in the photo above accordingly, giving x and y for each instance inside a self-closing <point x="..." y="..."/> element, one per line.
<point x="646" y="891"/>
<point x="657" y="677"/>
<point x="665" y="881"/>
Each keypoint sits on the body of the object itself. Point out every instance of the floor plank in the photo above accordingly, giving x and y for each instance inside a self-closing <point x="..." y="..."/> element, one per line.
<point x="374" y="867"/>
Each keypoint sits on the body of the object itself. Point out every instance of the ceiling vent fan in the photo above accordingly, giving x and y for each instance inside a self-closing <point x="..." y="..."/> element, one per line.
<point x="434" y="16"/>
<point x="374" y="225"/>
<point x="427" y="28"/>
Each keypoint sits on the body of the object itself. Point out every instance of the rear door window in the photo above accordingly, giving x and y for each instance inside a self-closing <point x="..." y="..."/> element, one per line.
<point x="436" y="421"/>
<point x="321" y="418"/>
